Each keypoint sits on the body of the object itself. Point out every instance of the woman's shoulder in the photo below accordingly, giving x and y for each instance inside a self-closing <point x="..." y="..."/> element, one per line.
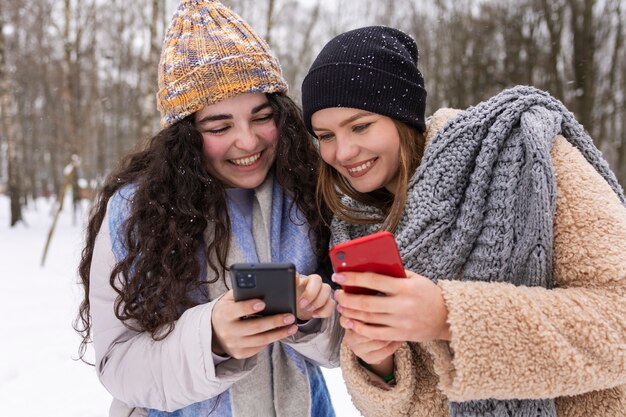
<point x="121" y="201"/>
<point x="575" y="175"/>
<point x="438" y="120"/>
<point x="118" y="211"/>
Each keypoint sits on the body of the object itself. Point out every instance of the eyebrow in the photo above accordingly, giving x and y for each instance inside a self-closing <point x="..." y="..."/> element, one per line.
<point x="226" y="116"/>
<point x="348" y="120"/>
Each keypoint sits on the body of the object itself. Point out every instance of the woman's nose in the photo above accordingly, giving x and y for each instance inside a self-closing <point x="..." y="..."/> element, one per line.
<point x="246" y="139"/>
<point x="346" y="150"/>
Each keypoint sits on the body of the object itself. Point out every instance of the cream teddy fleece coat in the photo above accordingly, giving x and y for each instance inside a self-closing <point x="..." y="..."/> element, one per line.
<point x="569" y="343"/>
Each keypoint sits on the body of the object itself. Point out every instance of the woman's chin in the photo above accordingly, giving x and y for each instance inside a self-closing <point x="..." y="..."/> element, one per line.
<point x="363" y="186"/>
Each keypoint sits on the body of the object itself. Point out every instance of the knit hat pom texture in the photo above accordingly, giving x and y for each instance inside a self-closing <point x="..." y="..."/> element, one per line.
<point x="211" y="54"/>
<point x="372" y="68"/>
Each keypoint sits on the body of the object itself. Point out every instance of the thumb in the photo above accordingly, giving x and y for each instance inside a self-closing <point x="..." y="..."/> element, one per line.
<point x="301" y="283"/>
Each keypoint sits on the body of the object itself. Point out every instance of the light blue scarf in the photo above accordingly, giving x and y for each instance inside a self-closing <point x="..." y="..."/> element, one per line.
<point x="289" y="242"/>
<point x="289" y="234"/>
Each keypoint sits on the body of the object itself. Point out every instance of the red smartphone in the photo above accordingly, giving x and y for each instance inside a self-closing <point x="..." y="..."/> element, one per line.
<point x="377" y="252"/>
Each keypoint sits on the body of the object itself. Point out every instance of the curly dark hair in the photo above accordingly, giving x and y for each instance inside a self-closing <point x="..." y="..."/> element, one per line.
<point x="174" y="200"/>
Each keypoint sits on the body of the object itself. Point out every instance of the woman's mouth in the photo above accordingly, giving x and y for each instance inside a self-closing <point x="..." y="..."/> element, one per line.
<point x="362" y="168"/>
<point x="246" y="161"/>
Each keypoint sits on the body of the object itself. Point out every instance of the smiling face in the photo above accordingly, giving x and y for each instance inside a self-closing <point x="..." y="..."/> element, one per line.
<point x="240" y="138"/>
<point x="364" y="147"/>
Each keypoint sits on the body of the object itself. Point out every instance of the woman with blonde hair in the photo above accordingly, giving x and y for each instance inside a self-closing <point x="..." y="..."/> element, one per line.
<point x="510" y="224"/>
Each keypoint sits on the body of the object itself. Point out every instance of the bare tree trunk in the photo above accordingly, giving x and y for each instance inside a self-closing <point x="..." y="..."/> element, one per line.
<point x="8" y="127"/>
<point x="69" y="86"/>
<point x="71" y="89"/>
<point x="92" y="109"/>
<point x="582" y="24"/>
<point x="119" y="70"/>
<point x="621" y="146"/>
<point x="53" y="121"/>
<point x="270" y="22"/>
<point x="69" y="179"/>
<point x="553" y="15"/>
<point x="621" y="164"/>
<point x="31" y="188"/>
<point x="608" y="121"/>
<point x="150" y="70"/>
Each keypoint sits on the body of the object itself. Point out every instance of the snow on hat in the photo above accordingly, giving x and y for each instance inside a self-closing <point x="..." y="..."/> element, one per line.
<point x="372" y="68"/>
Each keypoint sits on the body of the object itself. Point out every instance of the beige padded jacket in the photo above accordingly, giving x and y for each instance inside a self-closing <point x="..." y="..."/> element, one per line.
<point x="567" y="343"/>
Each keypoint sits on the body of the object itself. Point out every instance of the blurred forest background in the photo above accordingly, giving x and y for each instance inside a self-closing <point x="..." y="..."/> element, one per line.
<point x="78" y="77"/>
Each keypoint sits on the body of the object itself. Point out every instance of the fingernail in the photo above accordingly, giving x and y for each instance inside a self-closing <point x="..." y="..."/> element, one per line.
<point x="292" y="330"/>
<point x="339" y="308"/>
<point x="288" y="319"/>
<point x="258" y="306"/>
<point x="335" y="294"/>
<point x="338" y="278"/>
<point x="304" y="302"/>
<point x="349" y="324"/>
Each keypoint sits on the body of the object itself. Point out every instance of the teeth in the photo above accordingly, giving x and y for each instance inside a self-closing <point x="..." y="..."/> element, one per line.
<point x="246" y="161"/>
<point x="361" y="167"/>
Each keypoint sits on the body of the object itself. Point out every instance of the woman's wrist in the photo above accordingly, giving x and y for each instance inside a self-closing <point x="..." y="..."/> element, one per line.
<point x="384" y="369"/>
<point x="444" y="327"/>
<point x="445" y="333"/>
<point x="216" y="346"/>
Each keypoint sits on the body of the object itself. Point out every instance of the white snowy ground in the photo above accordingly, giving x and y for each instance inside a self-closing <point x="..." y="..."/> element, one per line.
<point x="39" y="373"/>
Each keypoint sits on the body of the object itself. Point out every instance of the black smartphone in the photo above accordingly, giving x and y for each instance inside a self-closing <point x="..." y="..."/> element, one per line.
<point x="274" y="283"/>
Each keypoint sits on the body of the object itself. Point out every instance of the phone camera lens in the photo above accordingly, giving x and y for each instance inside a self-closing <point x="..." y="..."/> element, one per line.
<point x="341" y="256"/>
<point x="246" y="280"/>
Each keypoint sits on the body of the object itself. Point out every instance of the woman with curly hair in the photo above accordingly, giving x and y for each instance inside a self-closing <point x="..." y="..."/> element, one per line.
<point x="228" y="179"/>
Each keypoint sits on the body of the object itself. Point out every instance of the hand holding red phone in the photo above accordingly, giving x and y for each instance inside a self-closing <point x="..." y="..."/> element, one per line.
<point x="377" y="252"/>
<point x="412" y="309"/>
<point x="377" y="353"/>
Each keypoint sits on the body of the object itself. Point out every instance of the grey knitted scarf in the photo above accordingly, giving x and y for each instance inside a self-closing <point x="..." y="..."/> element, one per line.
<point x="481" y="205"/>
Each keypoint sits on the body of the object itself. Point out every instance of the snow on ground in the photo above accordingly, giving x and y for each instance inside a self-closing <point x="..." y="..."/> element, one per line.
<point x="39" y="372"/>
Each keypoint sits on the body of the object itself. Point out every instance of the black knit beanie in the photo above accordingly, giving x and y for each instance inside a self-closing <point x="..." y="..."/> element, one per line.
<point x="372" y="68"/>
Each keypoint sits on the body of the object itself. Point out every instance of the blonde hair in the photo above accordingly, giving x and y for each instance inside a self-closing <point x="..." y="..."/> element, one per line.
<point x="332" y="185"/>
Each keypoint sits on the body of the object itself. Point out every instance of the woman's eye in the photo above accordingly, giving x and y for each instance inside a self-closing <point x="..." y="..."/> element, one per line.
<point x="361" y="128"/>
<point x="264" y="118"/>
<point x="325" y="136"/>
<point x="216" y="131"/>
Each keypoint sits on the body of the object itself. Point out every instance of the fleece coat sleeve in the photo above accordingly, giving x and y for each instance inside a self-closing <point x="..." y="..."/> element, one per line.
<point x="414" y="393"/>
<point x="521" y="342"/>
